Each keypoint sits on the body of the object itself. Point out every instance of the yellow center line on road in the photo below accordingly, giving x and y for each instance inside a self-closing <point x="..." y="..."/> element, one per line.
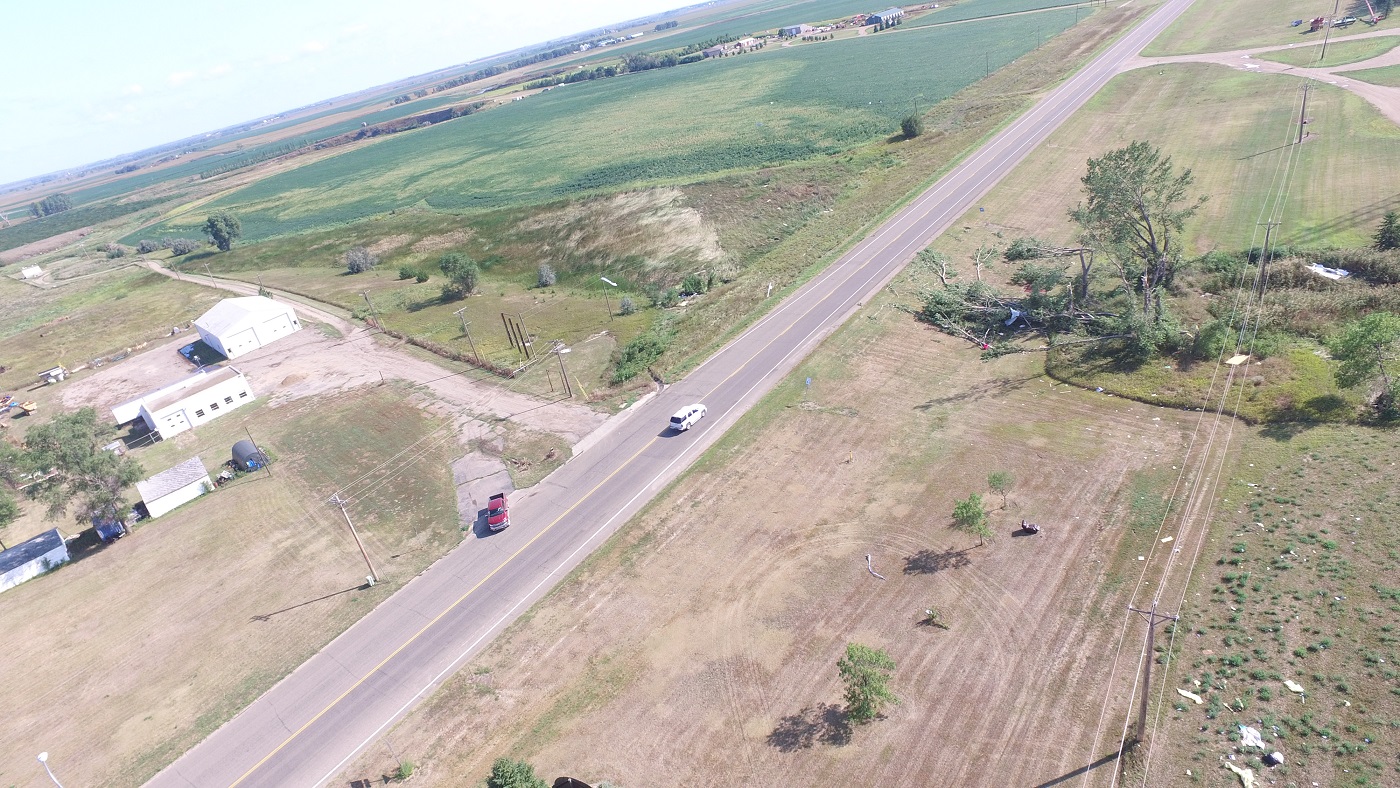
<point x="439" y="616"/>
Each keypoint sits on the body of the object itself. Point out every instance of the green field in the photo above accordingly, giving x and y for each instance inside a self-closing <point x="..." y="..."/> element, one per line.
<point x="976" y="9"/>
<point x="1338" y="53"/>
<point x="1385" y="75"/>
<point x="756" y="110"/>
<point x="1243" y="24"/>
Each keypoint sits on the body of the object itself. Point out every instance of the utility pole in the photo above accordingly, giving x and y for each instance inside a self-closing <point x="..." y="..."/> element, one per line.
<point x="564" y="372"/>
<point x="341" y="502"/>
<point x="1266" y="253"/>
<point x="1335" y="7"/>
<point x="1303" y="113"/>
<point x="467" y="331"/>
<point x="207" y="271"/>
<point x="1153" y="619"/>
<point x="267" y="466"/>
<point x="377" y="322"/>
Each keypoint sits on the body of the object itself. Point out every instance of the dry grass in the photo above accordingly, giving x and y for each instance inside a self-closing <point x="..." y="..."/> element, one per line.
<point x="700" y="642"/>
<point x="1244" y="24"/>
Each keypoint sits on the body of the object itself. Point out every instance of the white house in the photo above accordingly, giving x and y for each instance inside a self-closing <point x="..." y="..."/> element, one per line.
<point x="32" y="558"/>
<point x="208" y="395"/>
<point x="236" y="326"/>
<point x="31" y="272"/>
<point x="174" y="486"/>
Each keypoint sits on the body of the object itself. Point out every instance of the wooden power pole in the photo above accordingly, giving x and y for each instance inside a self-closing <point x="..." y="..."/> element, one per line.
<point x="1153" y="619"/>
<point x="341" y="502"/>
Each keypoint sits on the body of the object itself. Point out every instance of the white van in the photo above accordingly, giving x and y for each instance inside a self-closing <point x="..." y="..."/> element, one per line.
<point x="686" y="417"/>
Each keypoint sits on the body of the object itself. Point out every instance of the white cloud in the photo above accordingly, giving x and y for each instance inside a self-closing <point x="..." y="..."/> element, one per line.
<point x="313" y="47"/>
<point x="133" y="90"/>
<point x="220" y="70"/>
<point x="179" y="78"/>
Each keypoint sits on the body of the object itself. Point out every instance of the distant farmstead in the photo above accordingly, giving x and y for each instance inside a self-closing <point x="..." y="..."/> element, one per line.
<point x="27" y="560"/>
<point x="887" y="17"/>
<point x="794" y="30"/>
<point x="715" y="51"/>
<point x="237" y="326"/>
<point x="172" y="487"/>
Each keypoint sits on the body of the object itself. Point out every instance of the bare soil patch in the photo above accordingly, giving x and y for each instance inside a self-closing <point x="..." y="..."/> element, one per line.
<point x="42" y="246"/>
<point x="701" y="642"/>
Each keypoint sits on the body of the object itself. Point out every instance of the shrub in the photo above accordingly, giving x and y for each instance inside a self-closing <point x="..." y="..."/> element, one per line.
<point x="912" y="126"/>
<point x="114" y="251"/>
<point x="407" y="272"/>
<point x="694" y="284"/>
<point x="639" y="354"/>
<point x="462" y="273"/>
<point x="359" y="259"/>
<point x="546" y="277"/>
<point x="669" y="298"/>
<point x="421" y="277"/>
<point x="147" y="245"/>
<point x="183" y="246"/>
<point x="627" y="306"/>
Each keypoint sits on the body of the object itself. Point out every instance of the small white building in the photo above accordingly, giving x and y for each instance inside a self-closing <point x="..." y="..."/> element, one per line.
<point x="236" y="326"/>
<point x="208" y="395"/>
<point x="172" y="487"/>
<point x="31" y="272"/>
<point x="29" y="559"/>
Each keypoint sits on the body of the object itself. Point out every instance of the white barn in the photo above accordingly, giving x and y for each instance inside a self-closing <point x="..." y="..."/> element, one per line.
<point x="174" y="486"/>
<point x="29" y="559"/>
<point x="237" y="326"/>
<point x="206" y="395"/>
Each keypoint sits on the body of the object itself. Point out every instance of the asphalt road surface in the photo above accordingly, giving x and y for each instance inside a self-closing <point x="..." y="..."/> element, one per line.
<point x="305" y="730"/>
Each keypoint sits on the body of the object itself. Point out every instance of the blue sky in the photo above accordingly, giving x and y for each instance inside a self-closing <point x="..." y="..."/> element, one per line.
<point x="84" y="80"/>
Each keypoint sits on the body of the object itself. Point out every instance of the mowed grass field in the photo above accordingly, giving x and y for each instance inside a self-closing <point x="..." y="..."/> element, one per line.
<point x="770" y="107"/>
<point x="698" y="647"/>
<point x="1339" y="53"/>
<point x="1385" y="75"/>
<point x="1243" y="24"/>
<point x="1301" y="582"/>
<point x="122" y="660"/>
<point x="99" y="316"/>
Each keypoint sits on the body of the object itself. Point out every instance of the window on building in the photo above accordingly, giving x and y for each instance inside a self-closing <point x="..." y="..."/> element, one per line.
<point x="213" y="406"/>
<point x="242" y="394"/>
<point x="199" y="413"/>
<point x="228" y="400"/>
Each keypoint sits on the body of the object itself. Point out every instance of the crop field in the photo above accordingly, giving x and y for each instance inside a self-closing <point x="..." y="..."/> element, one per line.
<point x="977" y="9"/>
<point x="172" y="630"/>
<point x="1339" y="53"/>
<point x="1385" y="75"/>
<point x="770" y="107"/>
<point x="1243" y="24"/>
<point x="1299" y="583"/>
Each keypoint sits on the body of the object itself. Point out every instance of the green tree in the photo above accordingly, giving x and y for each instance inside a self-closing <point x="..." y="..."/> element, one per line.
<point x="1388" y="236"/>
<point x="74" y="471"/>
<point x="866" y="673"/>
<point x="969" y="516"/>
<point x="9" y="510"/>
<point x="1001" y="482"/>
<point x="506" y="773"/>
<point x="1135" y="208"/>
<point x="54" y="203"/>
<point x="1367" y="349"/>
<point x="912" y="126"/>
<point x="223" y="228"/>
<point x="462" y="274"/>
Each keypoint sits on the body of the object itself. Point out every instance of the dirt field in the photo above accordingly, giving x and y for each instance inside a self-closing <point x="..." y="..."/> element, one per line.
<point x="699" y="646"/>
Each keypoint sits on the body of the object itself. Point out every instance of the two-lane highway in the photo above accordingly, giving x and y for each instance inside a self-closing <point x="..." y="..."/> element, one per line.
<point x="305" y="730"/>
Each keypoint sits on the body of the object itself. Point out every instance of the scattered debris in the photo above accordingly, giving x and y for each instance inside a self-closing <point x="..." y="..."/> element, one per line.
<point x="871" y="567"/>
<point x="1249" y="737"/>
<point x="1274" y="759"/>
<point x="1246" y="774"/>
<point x="1193" y="696"/>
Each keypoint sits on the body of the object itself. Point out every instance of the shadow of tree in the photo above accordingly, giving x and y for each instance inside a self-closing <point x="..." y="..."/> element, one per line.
<point x="987" y="388"/>
<point x="823" y="723"/>
<point x="926" y="562"/>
